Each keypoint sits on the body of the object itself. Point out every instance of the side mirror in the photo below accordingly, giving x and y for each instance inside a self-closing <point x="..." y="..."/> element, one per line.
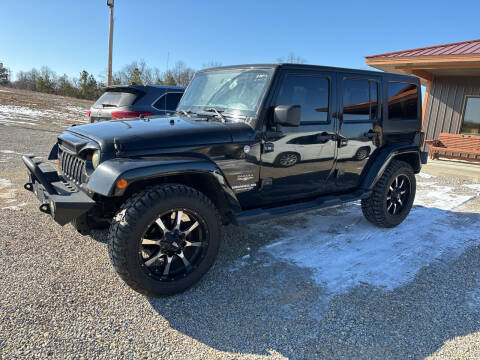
<point x="288" y="115"/>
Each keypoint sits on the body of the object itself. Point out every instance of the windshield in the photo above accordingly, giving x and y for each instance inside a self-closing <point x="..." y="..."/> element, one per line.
<point x="232" y="91"/>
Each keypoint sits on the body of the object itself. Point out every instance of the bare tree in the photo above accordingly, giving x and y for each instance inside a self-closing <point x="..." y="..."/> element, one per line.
<point x="47" y="80"/>
<point x="27" y="80"/>
<point x="137" y="72"/>
<point x="292" y="58"/>
<point x="182" y="73"/>
<point x="211" y="64"/>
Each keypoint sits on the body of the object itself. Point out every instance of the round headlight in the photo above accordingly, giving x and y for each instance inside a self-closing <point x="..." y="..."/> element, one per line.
<point x="95" y="159"/>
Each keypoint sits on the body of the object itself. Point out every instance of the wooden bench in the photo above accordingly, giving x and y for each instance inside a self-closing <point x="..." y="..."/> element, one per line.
<point x="455" y="146"/>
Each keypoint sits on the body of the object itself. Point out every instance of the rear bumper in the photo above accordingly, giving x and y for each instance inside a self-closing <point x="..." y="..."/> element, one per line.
<point x="57" y="197"/>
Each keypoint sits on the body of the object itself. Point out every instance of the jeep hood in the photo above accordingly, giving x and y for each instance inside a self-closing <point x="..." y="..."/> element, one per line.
<point x="156" y="133"/>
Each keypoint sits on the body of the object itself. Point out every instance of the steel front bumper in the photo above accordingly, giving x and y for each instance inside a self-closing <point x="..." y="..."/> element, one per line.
<point x="57" y="197"/>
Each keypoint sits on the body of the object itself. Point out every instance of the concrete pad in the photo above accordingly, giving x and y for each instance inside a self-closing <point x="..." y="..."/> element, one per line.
<point x="453" y="168"/>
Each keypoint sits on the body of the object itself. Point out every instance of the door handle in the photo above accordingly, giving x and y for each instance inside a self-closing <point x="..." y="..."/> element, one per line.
<point x="371" y="134"/>
<point x="324" y="137"/>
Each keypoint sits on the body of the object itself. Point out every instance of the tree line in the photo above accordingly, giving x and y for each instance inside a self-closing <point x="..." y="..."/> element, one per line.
<point x="86" y="86"/>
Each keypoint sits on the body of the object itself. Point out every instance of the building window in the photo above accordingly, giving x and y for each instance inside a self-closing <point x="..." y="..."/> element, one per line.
<point x="471" y="116"/>
<point x="310" y="92"/>
<point x="402" y="101"/>
<point x="360" y="100"/>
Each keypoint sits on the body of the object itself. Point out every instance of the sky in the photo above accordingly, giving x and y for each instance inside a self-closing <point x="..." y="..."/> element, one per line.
<point x="69" y="36"/>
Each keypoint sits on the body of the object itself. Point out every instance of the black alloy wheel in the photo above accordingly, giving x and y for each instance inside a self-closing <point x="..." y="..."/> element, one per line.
<point x="398" y="194"/>
<point x="164" y="239"/>
<point x="392" y="196"/>
<point x="173" y="245"/>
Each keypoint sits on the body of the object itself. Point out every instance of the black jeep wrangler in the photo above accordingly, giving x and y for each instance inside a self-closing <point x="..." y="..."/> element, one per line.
<point x="246" y="142"/>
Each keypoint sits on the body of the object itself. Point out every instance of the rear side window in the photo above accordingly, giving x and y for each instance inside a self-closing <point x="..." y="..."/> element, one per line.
<point x="310" y="92"/>
<point x="402" y="101"/>
<point x="360" y="100"/>
<point x="168" y="101"/>
<point x="116" y="99"/>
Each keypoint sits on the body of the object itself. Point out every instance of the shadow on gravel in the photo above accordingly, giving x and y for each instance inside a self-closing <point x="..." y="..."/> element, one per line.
<point x="257" y="304"/>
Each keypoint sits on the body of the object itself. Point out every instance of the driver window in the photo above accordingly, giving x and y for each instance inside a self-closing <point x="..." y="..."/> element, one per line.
<point x="310" y="92"/>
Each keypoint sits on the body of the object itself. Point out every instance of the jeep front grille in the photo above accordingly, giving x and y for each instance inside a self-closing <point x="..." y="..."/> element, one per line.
<point x="72" y="167"/>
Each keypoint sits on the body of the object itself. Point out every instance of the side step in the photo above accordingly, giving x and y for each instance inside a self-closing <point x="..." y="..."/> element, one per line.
<point x="321" y="202"/>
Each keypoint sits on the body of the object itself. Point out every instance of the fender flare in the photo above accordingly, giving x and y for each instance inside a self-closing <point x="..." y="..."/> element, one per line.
<point x="103" y="180"/>
<point x="384" y="157"/>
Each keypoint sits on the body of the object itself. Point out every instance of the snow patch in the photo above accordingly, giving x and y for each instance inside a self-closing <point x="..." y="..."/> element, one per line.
<point x="441" y="197"/>
<point x="473" y="298"/>
<point x="10" y="152"/>
<point x="426" y="176"/>
<point x="13" y="207"/>
<point x="343" y="250"/>
<point x="14" y="114"/>
<point x="475" y="187"/>
<point x="5" y="183"/>
<point x="7" y="193"/>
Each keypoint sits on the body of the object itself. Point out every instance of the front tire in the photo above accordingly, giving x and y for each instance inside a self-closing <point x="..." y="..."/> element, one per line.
<point x="164" y="239"/>
<point x="392" y="197"/>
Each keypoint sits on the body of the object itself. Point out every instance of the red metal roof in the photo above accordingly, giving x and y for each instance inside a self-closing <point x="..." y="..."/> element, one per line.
<point x="464" y="48"/>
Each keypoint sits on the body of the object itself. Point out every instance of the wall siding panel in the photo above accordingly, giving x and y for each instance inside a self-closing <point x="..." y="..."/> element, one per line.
<point x="445" y="104"/>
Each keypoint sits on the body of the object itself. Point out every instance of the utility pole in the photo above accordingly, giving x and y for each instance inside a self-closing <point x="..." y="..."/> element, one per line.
<point x="110" y="44"/>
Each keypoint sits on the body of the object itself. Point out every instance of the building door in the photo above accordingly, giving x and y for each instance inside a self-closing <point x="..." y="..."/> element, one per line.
<point x="297" y="162"/>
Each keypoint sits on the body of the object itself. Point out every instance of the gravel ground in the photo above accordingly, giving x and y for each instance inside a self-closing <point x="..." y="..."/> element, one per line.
<point x="61" y="299"/>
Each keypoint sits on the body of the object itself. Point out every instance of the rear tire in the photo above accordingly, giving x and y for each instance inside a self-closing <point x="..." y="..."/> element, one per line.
<point x="149" y="250"/>
<point x="392" y="197"/>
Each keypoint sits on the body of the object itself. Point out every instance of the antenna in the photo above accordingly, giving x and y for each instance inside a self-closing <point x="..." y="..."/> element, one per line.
<point x="166" y="93"/>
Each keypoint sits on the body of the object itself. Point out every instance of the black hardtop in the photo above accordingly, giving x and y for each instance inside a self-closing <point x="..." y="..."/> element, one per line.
<point x="291" y="66"/>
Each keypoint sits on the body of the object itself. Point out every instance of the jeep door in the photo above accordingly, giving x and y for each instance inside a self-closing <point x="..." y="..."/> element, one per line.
<point x="360" y="118"/>
<point x="297" y="162"/>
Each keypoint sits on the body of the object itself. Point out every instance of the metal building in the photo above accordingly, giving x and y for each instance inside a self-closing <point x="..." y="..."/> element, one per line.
<point x="451" y="74"/>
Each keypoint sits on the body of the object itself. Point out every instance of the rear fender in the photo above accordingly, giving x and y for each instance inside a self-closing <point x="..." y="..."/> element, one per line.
<point x="379" y="163"/>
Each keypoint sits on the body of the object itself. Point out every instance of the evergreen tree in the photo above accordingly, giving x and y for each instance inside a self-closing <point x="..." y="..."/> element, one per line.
<point x="47" y="80"/>
<point x="45" y="85"/>
<point x="65" y="87"/>
<point x="4" y="75"/>
<point x="169" y="79"/>
<point x="88" y="86"/>
<point x="136" y="77"/>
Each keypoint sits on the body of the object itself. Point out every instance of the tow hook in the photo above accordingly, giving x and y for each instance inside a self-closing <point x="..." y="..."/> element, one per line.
<point x="28" y="186"/>
<point x="45" y="208"/>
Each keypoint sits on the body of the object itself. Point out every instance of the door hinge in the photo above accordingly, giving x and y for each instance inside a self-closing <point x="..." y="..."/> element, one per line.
<point x="265" y="182"/>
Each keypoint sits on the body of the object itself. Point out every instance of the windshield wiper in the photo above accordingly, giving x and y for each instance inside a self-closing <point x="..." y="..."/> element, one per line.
<point x="218" y="112"/>
<point x="185" y="112"/>
<point x="109" y="105"/>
